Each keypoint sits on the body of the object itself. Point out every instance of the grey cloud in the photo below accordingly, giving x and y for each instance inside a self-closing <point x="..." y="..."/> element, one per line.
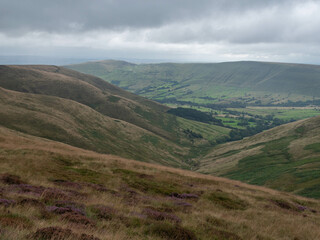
<point x="281" y="22"/>
<point x="177" y="29"/>
<point x="84" y="15"/>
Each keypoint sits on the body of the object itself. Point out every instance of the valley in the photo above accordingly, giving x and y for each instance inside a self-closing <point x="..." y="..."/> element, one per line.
<point x="248" y="97"/>
<point x="84" y="159"/>
<point x="159" y="120"/>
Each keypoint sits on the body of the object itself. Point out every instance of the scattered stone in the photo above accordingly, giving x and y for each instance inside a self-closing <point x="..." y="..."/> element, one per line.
<point x="185" y="195"/>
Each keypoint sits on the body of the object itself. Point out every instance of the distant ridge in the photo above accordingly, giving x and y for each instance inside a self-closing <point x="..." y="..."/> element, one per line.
<point x="193" y="80"/>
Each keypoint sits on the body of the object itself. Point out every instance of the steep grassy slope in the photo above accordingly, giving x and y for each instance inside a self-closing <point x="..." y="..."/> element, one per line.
<point x="76" y="124"/>
<point x="252" y="81"/>
<point x="50" y="190"/>
<point x="285" y="158"/>
<point x="88" y="90"/>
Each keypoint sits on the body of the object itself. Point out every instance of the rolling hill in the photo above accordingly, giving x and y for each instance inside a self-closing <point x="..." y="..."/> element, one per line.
<point x="50" y="190"/>
<point x="249" y="82"/>
<point x="285" y="158"/>
<point x="87" y="112"/>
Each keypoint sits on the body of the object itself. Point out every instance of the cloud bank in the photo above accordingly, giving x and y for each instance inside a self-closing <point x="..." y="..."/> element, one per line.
<point x="203" y="30"/>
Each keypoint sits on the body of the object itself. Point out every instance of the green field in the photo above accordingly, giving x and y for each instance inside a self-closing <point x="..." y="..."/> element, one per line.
<point x="208" y="131"/>
<point x="281" y="113"/>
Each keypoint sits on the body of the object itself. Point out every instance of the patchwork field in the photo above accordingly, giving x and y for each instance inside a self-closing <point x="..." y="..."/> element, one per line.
<point x="252" y="83"/>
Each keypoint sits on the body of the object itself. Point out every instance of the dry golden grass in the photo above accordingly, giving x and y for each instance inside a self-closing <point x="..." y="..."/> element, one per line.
<point x="225" y="209"/>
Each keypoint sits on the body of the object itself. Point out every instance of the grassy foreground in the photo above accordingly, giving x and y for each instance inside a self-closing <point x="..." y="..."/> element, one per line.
<point x="50" y="190"/>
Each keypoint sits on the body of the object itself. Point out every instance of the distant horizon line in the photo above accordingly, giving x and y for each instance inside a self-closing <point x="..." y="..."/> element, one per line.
<point x="57" y="60"/>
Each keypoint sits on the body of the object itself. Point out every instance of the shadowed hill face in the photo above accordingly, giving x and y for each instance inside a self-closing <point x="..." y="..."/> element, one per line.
<point x="49" y="190"/>
<point x="222" y="80"/>
<point x="91" y="91"/>
<point x="286" y="158"/>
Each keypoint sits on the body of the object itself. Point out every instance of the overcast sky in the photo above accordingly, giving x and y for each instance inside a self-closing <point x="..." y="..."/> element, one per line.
<point x="173" y="30"/>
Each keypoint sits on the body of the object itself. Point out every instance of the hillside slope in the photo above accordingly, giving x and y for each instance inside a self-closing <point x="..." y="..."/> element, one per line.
<point x="79" y="125"/>
<point x="87" y="112"/>
<point x="49" y="190"/>
<point x="285" y="158"/>
<point x="88" y="90"/>
<point x="220" y="81"/>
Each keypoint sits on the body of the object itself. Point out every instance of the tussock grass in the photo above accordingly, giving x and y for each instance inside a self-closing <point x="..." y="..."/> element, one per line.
<point x="134" y="200"/>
